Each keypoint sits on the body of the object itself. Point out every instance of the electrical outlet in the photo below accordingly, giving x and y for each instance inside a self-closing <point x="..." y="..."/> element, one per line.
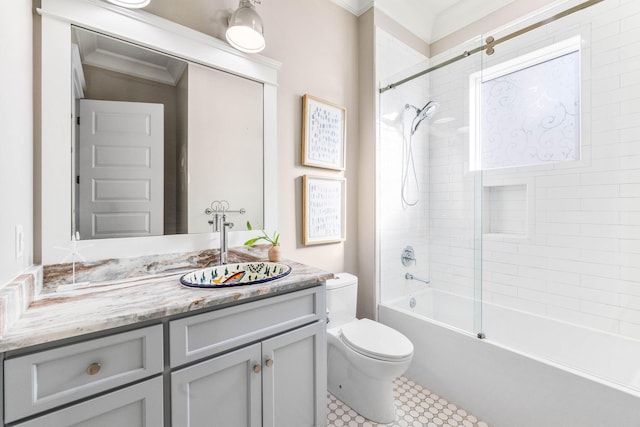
<point x="19" y="242"/>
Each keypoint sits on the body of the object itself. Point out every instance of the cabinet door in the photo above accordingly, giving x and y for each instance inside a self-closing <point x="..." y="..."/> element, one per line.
<point x="220" y="392"/>
<point x="135" y="406"/>
<point x="294" y="378"/>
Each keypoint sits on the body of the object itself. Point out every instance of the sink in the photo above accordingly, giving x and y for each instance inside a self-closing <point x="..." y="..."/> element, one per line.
<point x="238" y="274"/>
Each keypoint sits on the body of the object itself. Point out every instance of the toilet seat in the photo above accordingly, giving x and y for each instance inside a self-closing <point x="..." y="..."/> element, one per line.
<point x="376" y="340"/>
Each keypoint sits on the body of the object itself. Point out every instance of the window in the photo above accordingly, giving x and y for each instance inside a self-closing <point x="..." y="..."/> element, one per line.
<point x="526" y="111"/>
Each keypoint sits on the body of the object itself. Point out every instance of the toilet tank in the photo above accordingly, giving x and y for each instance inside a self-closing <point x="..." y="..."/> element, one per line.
<point x="342" y="299"/>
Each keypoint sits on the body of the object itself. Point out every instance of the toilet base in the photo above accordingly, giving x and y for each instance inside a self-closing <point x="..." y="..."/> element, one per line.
<point x="370" y="397"/>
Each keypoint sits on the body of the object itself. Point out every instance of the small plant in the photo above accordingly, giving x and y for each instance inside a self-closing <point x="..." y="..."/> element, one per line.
<point x="271" y="239"/>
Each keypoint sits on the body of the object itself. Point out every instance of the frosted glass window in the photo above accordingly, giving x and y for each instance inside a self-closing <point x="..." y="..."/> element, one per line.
<point x="528" y="110"/>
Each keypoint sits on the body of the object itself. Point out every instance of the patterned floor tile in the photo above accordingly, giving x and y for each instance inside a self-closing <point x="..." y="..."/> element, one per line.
<point x="415" y="407"/>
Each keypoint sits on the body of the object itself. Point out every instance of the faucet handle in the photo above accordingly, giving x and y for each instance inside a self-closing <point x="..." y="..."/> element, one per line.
<point x="228" y="224"/>
<point x="408" y="256"/>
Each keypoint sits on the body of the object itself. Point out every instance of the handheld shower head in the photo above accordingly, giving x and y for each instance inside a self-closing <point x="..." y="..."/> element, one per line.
<point x="426" y="112"/>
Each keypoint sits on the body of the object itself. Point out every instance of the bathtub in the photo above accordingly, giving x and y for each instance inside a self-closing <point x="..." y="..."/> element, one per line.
<point x="528" y="370"/>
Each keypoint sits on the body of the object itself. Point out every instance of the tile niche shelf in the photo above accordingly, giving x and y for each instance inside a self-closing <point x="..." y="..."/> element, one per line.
<point x="505" y="210"/>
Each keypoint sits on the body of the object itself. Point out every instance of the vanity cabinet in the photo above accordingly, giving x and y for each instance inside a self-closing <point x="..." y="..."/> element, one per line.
<point x="257" y="363"/>
<point x="263" y="364"/>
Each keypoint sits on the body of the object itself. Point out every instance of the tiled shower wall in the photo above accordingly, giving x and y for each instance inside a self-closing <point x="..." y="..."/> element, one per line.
<point x="400" y="225"/>
<point x="569" y="243"/>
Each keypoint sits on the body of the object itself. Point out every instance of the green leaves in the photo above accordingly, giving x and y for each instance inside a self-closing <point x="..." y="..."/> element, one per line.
<point x="271" y="239"/>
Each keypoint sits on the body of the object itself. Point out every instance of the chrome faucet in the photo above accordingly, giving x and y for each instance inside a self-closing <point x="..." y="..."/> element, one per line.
<point x="224" y="247"/>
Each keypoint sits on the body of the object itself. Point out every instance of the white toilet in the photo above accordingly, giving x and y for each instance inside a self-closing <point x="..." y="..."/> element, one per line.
<point x="364" y="357"/>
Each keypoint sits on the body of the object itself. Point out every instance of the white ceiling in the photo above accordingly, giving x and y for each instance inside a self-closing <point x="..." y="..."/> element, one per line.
<point x="428" y="19"/>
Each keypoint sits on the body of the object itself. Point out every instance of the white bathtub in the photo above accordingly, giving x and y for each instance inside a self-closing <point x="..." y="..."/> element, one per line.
<point x="529" y="371"/>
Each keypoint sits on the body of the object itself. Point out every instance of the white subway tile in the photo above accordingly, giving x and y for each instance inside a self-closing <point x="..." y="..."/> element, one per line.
<point x="629" y="315"/>
<point x="610" y="231"/>
<point x="558" y="229"/>
<point x="630" y="302"/>
<point x="551" y="276"/>
<point x="599" y="296"/>
<point x="604" y="271"/>
<point x="611" y="285"/>
<point x="610" y="177"/>
<point x="611" y="259"/>
<point x="607" y="30"/>
<point x="520" y="282"/>
<point x="605" y="58"/>
<point x="629" y="79"/>
<point x="585" y="319"/>
<point x="498" y="288"/>
<point x="563" y="289"/>
<point x="549" y="299"/>
<point x="631" y="274"/>
<point x="630" y="218"/>
<point x="517" y="303"/>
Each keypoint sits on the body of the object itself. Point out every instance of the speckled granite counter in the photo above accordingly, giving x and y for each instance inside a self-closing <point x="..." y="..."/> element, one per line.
<point x="59" y="313"/>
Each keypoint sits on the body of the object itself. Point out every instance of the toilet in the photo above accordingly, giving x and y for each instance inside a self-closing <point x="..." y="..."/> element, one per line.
<point x="364" y="356"/>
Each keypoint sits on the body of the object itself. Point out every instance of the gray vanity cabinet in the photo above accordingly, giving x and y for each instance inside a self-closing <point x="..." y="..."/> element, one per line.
<point x="270" y="372"/>
<point x="256" y="364"/>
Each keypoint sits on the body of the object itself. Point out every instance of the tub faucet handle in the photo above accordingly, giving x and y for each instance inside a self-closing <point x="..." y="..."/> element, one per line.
<point x="408" y="256"/>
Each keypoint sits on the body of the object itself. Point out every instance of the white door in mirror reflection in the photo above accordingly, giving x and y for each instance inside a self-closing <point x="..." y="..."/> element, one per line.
<point x="120" y="169"/>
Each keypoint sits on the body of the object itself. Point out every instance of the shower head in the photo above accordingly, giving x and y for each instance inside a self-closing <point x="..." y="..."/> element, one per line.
<point x="426" y="112"/>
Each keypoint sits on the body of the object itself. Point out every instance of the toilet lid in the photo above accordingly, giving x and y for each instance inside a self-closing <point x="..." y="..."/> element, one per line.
<point x="376" y="340"/>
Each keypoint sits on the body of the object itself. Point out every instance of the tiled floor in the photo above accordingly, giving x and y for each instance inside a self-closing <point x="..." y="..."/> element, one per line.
<point x="415" y="407"/>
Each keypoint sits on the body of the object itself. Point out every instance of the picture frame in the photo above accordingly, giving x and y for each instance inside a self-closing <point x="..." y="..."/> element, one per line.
<point x="324" y="211"/>
<point x="324" y="127"/>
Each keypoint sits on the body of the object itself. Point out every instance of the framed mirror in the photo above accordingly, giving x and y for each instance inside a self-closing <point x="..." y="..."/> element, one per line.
<point x="215" y="126"/>
<point x="162" y="146"/>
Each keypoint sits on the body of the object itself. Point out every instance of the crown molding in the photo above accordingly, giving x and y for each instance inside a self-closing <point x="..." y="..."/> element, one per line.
<point x="99" y="51"/>
<point x="462" y="14"/>
<point x="430" y="20"/>
<point x="357" y="7"/>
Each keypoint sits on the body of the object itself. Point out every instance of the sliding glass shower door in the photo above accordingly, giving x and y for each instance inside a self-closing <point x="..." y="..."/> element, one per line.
<point x="427" y="203"/>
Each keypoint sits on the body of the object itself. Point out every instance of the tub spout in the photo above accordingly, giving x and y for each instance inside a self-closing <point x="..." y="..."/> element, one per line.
<point x="410" y="276"/>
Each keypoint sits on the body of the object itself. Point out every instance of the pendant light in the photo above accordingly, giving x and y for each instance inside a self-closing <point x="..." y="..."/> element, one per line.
<point x="245" y="28"/>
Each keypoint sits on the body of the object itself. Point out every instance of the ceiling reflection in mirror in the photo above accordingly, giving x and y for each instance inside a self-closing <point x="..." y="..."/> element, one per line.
<point x="161" y="146"/>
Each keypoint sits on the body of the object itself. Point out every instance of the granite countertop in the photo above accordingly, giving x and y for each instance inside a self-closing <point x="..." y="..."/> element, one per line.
<point x="66" y="311"/>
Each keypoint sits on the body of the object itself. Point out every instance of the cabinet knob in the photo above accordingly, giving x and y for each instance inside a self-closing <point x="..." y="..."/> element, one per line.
<point x="257" y="368"/>
<point x="269" y="363"/>
<point x="93" y="369"/>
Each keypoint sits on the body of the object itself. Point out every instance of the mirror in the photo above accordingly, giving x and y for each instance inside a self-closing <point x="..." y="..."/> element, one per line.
<point x="55" y="206"/>
<point x="161" y="145"/>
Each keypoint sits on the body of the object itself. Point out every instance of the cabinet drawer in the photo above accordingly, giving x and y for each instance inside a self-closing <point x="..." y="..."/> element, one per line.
<point x="50" y="378"/>
<point x="139" y="405"/>
<point x="195" y="337"/>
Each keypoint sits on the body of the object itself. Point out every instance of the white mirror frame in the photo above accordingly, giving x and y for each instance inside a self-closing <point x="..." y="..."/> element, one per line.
<point x="153" y="32"/>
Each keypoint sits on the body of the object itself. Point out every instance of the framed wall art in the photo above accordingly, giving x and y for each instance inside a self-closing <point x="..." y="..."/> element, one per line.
<point x="324" y="209"/>
<point x="323" y="133"/>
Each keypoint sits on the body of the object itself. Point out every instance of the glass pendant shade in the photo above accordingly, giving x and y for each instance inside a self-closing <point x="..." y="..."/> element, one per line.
<point x="245" y="28"/>
<point x="131" y="4"/>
